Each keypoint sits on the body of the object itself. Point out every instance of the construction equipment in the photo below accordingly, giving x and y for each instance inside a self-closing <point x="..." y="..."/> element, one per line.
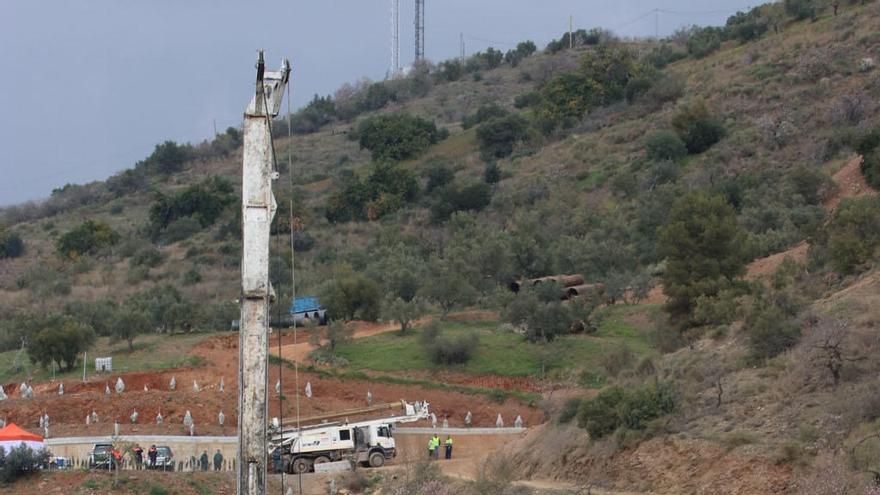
<point x="367" y="442"/>
<point x="258" y="210"/>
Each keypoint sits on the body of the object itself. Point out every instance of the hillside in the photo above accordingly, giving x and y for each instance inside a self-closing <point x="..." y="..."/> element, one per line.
<point x="719" y="186"/>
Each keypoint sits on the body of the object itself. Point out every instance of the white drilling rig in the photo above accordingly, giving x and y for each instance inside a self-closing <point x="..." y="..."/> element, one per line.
<point x="258" y="209"/>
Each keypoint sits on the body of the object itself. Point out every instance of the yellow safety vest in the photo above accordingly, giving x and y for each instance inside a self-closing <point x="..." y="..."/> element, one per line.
<point x="449" y="442"/>
<point x="435" y="442"/>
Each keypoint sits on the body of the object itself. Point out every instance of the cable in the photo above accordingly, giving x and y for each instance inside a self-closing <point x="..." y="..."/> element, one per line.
<point x="292" y="268"/>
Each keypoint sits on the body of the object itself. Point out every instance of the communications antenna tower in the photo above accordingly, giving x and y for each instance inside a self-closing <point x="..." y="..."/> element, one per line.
<point x="395" y="38"/>
<point x="420" y="30"/>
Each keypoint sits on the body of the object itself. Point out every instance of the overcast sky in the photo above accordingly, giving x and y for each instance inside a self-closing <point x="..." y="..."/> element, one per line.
<point x="88" y="87"/>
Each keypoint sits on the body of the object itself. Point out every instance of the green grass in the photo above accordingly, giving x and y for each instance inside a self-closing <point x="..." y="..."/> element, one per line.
<point x="502" y="353"/>
<point x="151" y="351"/>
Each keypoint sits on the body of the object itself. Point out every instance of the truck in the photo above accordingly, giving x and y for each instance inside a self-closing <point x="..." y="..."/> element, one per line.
<point x="368" y="442"/>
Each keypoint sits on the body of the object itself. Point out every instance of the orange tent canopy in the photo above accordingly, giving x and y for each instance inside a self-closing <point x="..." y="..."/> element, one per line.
<point x="12" y="432"/>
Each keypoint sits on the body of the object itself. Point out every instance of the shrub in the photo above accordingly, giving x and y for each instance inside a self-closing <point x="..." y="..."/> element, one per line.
<point x="451" y="199"/>
<point x="499" y="136"/>
<point x="181" y="229"/>
<point x="384" y="191"/>
<point x="11" y="245"/>
<point x="704" y="41"/>
<point x="168" y="157"/>
<point x="492" y="173"/>
<point x="450" y="70"/>
<point x="349" y="296"/>
<point x="87" y="238"/>
<point x="319" y="112"/>
<point x="447" y="349"/>
<point x="526" y="100"/>
<point x="770" y="331"/>
<point x="398" y="137"/>
<point x="697" y="127"/>
<point x="438" y="175"/>
<point x="147" y="256"/>
<point x="204" y="202"/>
<point x="852" y="237"/>
<point x="869" y="148"/>
<point x="192" y="276"/>
<point x="484" y="113"/>
<point x="21" y="461"/>
<point x="569" y="409"/>
<point x="800" y="9"/>
<point x="665" y="145"/>
<point x="616" y="407"/>
<point x="663" y="55"/>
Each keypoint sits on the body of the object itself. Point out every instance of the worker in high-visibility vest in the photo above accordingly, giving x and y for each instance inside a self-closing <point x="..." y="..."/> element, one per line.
<point x="448" y="447"/>
<point x="436" y="441"/>
<point x="430" y="448"/>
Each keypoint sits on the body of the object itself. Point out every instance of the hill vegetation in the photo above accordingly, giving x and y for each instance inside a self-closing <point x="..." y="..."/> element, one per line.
<point x="658" y="169"/>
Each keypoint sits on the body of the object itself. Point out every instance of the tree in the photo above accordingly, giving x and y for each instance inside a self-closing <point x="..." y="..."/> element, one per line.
<point x="852" y="237"/>
<point x="869" y="147"/>
<point x="338" y="333"/>
<point x="168" y="157"/>
<point x="492" y="173"/>
<point x="403" y="312"/>
<point x="87" y="238"/>
<point x="697" y="127"/>
<point x="128" y="323"/>
<point x="447" y="287"/>
<point x="61" y="344"/>
<point x="665" y="145"/>
<point x="500" y="135"/>
<point x="11" y="245"/>
<point x="204" y="202"/>
<point x="704" y="249"/>
<point x="398" y="137"/>
<point x="349" y="295"/>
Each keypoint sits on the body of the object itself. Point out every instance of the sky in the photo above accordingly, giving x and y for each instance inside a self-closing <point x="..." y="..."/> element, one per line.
<point x="88" y="87"/>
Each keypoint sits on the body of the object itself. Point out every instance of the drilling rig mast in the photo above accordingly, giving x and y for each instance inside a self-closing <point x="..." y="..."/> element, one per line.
<point x="258" y="209"/>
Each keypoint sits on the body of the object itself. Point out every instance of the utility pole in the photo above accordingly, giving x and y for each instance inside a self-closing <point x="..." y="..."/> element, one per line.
<point x="395" y="38"/>
<point x="657" y="24"/>
<point x="570" y="25"/>
<point x="215" y="127"/>
<point x="461" y="46"/>
<point x="258" y="208"/>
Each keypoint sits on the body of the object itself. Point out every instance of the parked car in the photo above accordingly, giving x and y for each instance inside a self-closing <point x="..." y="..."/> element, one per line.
<point x="101" y="456"/>
<point x="164" y="458"/>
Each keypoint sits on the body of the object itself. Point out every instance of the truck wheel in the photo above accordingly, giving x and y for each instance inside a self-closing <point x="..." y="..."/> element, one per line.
<point x="377" y="459"/>
<point x="321" y="459"/>
<point x="300" y="465"/>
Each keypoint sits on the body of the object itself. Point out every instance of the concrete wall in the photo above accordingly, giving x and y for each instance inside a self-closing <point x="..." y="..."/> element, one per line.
<point x="469" y="443"/>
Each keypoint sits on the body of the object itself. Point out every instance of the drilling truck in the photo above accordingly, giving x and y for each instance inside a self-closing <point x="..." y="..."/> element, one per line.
<point x="367" y="442"/>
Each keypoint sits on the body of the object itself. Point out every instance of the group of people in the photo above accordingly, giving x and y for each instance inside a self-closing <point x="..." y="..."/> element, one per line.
<point x="434" y="447"/>
<point x="153" y="453"/>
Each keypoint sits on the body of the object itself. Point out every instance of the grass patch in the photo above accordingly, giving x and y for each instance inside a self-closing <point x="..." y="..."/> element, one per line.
<point x="152" y="352"/>
<point x="503" y="353"/>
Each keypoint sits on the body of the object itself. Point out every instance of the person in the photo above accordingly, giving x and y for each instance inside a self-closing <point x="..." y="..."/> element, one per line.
<point x="448" y="447"/>
<point x="436" y="441"/>
<point x="430" y="448"/>
<point x="276" y="460"/>
<point x="138" y="456"/>
<point x="218" y="460"/>
<point x="203" y="460"/>
<point x="151" y="454"/>
<point x="117" y="457"/>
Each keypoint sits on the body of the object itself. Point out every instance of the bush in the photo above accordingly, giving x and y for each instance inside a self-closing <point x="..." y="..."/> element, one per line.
<point x="852" y="237"/>
<point x="11" y="245"/>
<point x="704" y="41"/>
<point x="204" y="202"/>
<point x="569" y="409"/>
<point x="180" y="229"/>
<point x="449" y="349"/>
<point x="663" y="55"/>
<point x="168" y="157"/>
<point x="801" y="9"/>
<point x="349" y="296"/>
<point x="616" y="407"/>
<point x="438" y="175"/>
<point x="398" y="137"/>
<point x="483" y="114"/>
<point x="21" y="461"/>
<point x="87" y="238"/>
<point x="770" y="331"/>
<point x="499" y="136"/>
<point x="451" y="199"/>
<point x="665" y="145"/>
<point x="526" y="100"/>
<point x="147" y="256"/>
<point x="697" y="127"/>
<point x="869" y="147"/>
<point x="492" y="173"/>
<point x="385" y="190"/>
